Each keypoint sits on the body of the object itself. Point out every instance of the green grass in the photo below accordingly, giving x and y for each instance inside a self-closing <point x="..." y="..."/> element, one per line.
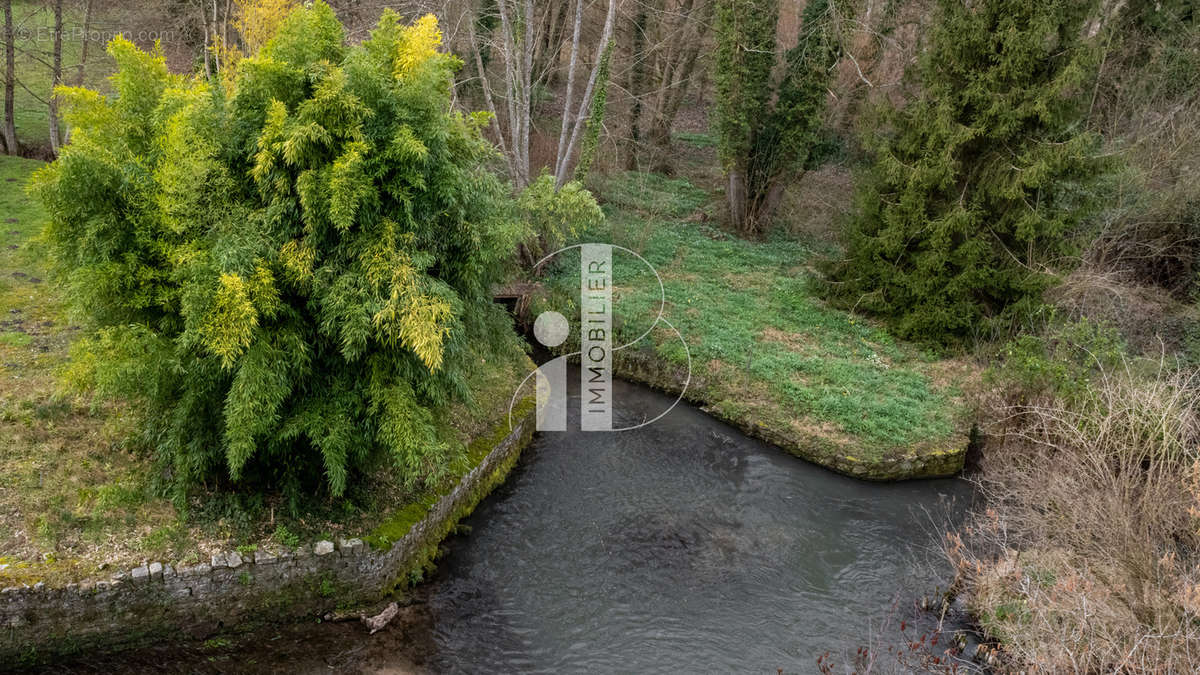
<point x="651" y="194"/>
<point x="770" y="349"/>
<point x="74" y="494"/>
<point x="699" y="140"/>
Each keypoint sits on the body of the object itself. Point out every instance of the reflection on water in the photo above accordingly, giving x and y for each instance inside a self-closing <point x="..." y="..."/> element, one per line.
<point x="680" y="547"/>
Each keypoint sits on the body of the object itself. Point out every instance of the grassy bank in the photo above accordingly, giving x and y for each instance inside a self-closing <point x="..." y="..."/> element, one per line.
<point x="767" y="355"/>
<point x="79" y="494"/>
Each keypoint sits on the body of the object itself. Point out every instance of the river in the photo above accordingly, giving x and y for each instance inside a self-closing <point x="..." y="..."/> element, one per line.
<point x="684" y="546"/>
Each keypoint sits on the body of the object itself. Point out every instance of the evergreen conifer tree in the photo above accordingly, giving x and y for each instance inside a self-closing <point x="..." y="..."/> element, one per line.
<point x="979" y="184"/>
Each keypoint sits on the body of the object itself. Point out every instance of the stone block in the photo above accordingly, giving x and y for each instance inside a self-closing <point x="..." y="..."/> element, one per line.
<point x="350" y="546"/>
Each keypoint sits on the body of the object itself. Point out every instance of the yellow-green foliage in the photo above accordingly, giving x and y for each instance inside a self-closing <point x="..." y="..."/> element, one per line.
<point x="291" y="272"/>
<point x="556" y="215"/>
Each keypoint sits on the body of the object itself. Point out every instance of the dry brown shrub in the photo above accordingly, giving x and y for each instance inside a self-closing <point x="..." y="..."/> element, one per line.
<point x="1087" y="556"/>
<point x="815" y="207"/>
<point x="1148" y="317"/>
<point x="1146" y="105"/>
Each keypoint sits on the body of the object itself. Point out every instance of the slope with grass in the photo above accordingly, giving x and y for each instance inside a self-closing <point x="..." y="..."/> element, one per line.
<point x="78" y="491"/>
<point x="767" y="355"/>
<point x="33" y="25"/>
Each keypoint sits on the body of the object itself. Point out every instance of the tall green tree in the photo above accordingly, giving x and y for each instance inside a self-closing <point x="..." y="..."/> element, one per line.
<point x="768" y="127"/>
<point x="979" y="184"/>
<point x="291" y="276"/>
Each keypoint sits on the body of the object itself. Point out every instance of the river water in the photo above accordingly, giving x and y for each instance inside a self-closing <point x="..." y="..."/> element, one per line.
<point x="684" y="546"/>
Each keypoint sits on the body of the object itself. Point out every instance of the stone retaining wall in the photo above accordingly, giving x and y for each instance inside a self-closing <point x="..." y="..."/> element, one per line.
<point x="647" y="368"/>
<point x="158" y="601"/>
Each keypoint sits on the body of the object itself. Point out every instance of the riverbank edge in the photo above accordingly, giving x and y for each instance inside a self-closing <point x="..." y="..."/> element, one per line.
<point x="941" y="460"/>
<point x="236" y="593"/>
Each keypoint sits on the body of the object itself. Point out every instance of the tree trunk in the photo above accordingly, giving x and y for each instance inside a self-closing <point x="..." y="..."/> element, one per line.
<point x="207" y="52"/>
<point x="518" y="45"/>
<point x="549" y="42"/>
<point x="518" y="87"/>
<point x="763" y="207"/>
<point x="216" y="39"/>
<point x="487" y="97"/>
<point x="569" y="99"/>
<point x="672" y="37"/>
<point x="56" y="78"/>
<point x="81" y="71"/>
<point x="736" y="196"/>
<point x="637" y="87"/>
<point x="225" y="27"/>
<point x="586" y="102"/>
<point x="527" y="85"/>
<point x="668" y="106"/>
<point x="11" y="146"/>
<point x="678" y="75"/>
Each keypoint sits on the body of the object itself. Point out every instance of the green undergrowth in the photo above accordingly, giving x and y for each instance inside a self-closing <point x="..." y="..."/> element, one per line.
<point x="765" y="350"/>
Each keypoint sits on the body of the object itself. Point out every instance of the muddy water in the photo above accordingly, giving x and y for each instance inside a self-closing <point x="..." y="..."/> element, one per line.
<point x="681" y="547"/>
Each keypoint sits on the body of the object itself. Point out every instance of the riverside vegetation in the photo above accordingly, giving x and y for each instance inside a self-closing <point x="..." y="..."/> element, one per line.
<point x="863" y="255"/>
<point x="230" y="283"/>
<point x="766" y="353"/>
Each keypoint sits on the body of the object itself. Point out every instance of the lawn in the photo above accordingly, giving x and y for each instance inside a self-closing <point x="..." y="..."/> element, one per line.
<point x="68" y="489"/>
<point x="78" y="491"/>
<point x="766" y="352"/>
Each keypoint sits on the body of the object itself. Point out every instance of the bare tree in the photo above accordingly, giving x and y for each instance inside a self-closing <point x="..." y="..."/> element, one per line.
<point x="637" y="82"/>
<point x="551" y="31"/>
<point x="81" y="69"/>
<point x="678" y="38"/>
<point x="56" y="79"/>
<point x="527" y="37"/>
<point x="10" y="82"/>
<point x="566" y="148"/>
<point x="215" y="30"/>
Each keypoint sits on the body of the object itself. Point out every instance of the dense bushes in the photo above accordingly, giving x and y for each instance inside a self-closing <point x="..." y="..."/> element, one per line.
<point x="980" y="184"/>
<point x="291" y="275"/>
<point x="554" y="215"/>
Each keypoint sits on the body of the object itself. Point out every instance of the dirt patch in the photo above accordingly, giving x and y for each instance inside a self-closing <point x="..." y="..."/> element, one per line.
<point x="804" y="426"/>
<point x="745" y="282"/>
<point x="796" y="342"/>
<point x="961" y="373"/>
